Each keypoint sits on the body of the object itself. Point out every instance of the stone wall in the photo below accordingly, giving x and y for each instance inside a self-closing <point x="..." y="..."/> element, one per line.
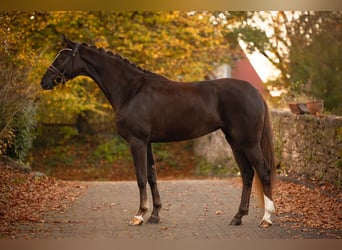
<point x="309" y="145"/>
<point x="304" y="144"/>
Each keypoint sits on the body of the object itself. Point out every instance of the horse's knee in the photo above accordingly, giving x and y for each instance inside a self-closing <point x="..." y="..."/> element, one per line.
<point x="141" y="183"/>
<point x="152" y="180"/>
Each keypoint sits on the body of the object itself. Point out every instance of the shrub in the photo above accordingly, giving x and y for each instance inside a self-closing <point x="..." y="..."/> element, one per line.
<point x="17" y="90"/>
<point x="23" y="125"/>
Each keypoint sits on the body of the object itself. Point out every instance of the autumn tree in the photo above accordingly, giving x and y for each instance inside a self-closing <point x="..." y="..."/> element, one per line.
<point x="304" y="46"/>
<point x="17" y="94"/>
<point x="180" y="45"/>
<point x="316" y="61"/>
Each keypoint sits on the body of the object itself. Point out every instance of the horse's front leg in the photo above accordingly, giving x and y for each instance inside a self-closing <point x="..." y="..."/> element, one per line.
<point x="139" y="153"/>
<point x="152" y="180"/>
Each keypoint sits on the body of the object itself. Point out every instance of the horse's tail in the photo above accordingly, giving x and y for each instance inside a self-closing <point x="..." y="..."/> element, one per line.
<point x="268" y="154"/>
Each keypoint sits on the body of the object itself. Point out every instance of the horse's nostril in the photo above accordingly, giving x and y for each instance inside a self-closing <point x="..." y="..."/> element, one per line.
<point x="58" y="80"/>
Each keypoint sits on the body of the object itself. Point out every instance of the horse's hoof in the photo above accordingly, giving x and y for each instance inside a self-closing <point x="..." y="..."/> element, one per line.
<point x="235" y="222"/>
<point x="153" y="219"/>
<point x="265" y="224"/>
<point x="136" y="221"/>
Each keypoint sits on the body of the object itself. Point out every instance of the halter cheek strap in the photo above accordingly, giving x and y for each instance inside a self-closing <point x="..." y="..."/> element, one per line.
<point x="74" y="52"/>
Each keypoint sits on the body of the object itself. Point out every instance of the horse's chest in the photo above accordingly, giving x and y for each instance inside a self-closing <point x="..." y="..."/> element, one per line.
<point x="132" y="125"/>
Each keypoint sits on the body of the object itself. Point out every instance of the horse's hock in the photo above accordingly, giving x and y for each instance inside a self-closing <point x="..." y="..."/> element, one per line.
<point x="304" y="144"/>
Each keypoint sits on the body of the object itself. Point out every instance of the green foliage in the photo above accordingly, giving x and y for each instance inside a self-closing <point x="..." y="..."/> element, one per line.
<point x="175" y="44"/>
<point x="179" y="45"/>
<point x="339" y="135"/>
<point x="111" y="151"/>
<point x="24" y="125"/>
<point x="70" y="100"/>
<point x="17" y="106"/>
<point x="316" y="65"/>
<point x="68" y="132"/>
<point x="50" y="136"/>
<point x="6" y="140"/>
<point x="61" y="156"/>
<point x="221" y="168"/>
<point x="305" y="46"/>
<point x="162" y="154"/>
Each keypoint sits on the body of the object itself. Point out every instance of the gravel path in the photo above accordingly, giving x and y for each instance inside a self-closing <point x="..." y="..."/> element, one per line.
<point x="192" y="209"/>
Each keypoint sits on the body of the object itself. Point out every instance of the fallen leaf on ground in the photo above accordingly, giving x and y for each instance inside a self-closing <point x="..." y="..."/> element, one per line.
<point x="26" y="198"/>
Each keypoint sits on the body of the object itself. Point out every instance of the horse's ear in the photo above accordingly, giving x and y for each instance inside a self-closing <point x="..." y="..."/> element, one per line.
<point x="67" y="41"/>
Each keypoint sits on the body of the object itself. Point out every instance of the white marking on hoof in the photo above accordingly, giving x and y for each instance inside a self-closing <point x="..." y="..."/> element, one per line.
<point x="137" y="220"/>
<point x="269" y="209"/>
<point x="265" y="224"/>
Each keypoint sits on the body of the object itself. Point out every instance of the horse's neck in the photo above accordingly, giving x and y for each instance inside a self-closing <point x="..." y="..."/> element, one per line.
<point x="112" y="75"/>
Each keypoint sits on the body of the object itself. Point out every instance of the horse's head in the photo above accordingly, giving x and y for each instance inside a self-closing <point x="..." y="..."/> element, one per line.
<point x="63" y="68"/>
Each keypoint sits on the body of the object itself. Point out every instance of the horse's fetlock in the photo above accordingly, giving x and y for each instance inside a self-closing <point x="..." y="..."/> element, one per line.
<point x="158" y="206"/>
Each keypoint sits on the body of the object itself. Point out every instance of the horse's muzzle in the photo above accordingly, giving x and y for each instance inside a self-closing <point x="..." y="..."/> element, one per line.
<point x="47" y="86"/>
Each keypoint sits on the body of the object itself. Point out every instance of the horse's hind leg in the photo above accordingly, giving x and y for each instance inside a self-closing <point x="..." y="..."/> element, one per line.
<point x="247" y="174"/>
<point x="255" y="157"/>
<point x="152" y="181"/>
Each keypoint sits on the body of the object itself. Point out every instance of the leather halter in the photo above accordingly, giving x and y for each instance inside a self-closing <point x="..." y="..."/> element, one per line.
<point x="62" y="76"/>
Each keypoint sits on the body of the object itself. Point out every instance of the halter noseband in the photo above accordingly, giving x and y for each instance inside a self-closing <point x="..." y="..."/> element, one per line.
<point x="60" y="74"/>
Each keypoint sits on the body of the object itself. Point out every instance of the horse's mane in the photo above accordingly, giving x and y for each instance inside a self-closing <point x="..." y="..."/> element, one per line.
<point x="117" y="56"/>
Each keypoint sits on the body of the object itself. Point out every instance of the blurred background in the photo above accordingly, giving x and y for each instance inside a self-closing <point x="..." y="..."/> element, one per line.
<point x="70" y="133"/>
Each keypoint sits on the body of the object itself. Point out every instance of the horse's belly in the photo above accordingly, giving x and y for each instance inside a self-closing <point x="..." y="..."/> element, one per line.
<point x="184" y="128"/>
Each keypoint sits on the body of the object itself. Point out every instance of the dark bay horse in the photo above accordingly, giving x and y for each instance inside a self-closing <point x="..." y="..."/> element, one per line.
<point x="151" y="108"/>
